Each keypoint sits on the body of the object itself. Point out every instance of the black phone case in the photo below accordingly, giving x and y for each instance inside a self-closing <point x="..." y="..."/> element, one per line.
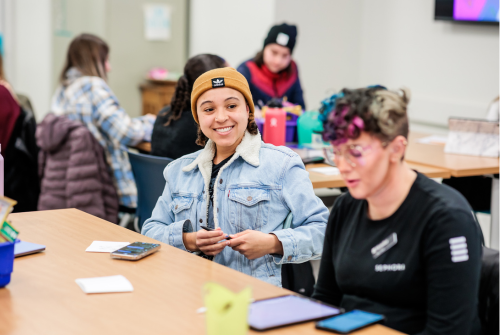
<point x="311" y="160"/>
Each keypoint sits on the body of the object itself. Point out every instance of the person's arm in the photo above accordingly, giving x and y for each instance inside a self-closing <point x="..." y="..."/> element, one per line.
<point x="452" y="255"/>
<point x="326" y="288"/>
<point x="161" y="225"/>
<point x="114" y="121"/>
<point x="297" y="95"/>
<point x="304" y="240"/>
<point x="180" y="234"/>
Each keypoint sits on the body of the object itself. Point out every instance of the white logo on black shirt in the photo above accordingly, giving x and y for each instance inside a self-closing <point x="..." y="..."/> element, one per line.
<point x="458" y="248"/>
<point x="389" y="267"/>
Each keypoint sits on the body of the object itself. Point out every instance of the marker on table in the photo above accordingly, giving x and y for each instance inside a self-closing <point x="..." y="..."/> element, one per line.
<point x="211" y="229"/>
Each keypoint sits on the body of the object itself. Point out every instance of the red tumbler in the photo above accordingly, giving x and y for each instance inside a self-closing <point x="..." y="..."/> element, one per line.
<point x="275" y="126"/>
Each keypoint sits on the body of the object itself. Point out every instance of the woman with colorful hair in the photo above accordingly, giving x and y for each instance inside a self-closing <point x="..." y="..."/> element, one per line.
<point x="397" y="243"/>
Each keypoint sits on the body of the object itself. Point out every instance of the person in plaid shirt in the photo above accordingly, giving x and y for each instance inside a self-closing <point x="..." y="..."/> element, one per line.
<point x="84" y="95"/>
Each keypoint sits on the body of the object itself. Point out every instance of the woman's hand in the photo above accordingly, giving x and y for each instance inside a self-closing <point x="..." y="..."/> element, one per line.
<point x="254" y="244"/>
<point x="208" y="241"/>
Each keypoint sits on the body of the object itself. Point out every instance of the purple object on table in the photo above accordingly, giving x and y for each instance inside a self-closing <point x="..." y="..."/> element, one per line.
<point x="291" y="127"/>
<point x="286" y="310"/>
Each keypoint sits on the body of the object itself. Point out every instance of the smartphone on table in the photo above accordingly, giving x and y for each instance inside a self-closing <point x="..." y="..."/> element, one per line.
<point x="135" y="251"/>
<point x="349" y="322"/>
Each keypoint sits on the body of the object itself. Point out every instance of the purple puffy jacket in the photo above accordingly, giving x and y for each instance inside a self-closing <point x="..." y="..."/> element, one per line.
<point x="73" y="169"/>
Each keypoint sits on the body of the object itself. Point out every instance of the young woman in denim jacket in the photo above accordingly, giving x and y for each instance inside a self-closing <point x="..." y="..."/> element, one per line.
<point x="254" y="188"/>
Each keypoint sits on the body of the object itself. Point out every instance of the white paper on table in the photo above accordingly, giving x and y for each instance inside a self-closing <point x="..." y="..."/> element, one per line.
<point x="329" y="171"/>
<point x="157" y="20"/>
<point x="103" y="246"/>
<point x="433" y="139"/>
<point x="105" y="284"/>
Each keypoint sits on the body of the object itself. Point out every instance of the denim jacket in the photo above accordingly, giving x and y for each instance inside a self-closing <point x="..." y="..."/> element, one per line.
<point x="259" y="186"/>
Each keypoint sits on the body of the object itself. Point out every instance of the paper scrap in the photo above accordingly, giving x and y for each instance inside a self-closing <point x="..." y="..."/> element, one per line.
<point x="433" y="139"/>
<point x="104" y="246"/>
<point x="105" y="284"/>
<point x="227" y="312"/>
<point x="329" y="171"/>
<point x="6" y="205"/>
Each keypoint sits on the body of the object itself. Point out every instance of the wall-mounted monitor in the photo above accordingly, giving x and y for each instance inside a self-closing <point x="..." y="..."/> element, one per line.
<point x="485" y="11"/>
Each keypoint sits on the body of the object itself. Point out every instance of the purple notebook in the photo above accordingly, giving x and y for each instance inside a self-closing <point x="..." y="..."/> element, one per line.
<point x="287" y="310"/>
<point x="26" y="248"/>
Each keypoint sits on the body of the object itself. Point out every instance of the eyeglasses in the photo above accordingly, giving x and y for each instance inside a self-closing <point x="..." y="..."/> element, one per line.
<point x="354" y="154"/>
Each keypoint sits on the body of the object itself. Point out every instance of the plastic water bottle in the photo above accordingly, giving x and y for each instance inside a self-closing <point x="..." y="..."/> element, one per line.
<point x="1" y="172"/>
<point x="310" y="128"/>
<point x="275" y="126"/>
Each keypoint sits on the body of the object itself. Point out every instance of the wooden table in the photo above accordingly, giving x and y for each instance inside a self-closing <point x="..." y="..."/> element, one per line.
<point x="459" y="165"/>
<point x="320" y="180"/>
<point x="43" y="297"/>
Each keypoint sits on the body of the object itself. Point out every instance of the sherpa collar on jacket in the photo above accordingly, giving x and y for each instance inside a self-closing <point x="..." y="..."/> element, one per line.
<point x="248" y="149"/>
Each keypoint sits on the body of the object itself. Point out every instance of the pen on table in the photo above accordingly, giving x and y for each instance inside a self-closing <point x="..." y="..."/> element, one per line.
<point x="211" y="229"/>
<point x="202" y="310"/>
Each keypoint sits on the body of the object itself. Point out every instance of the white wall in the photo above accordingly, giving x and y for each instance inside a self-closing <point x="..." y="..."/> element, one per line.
<point x="327" y="49"/>
<point x="232" y="29"/>
<point x="7" y="31"/>
<point x="28" y="50"/>
<point x="451" y="68"/>
<point x="132" y="56"/>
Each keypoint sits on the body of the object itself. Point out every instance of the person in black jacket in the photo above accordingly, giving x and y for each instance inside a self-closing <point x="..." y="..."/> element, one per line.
<point x="175" y="132"/>
<point x="18" y="147"/>
<point x="397" y="243"/>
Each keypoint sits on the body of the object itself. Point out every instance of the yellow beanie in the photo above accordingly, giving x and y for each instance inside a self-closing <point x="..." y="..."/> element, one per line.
<point x="222" y="77"/>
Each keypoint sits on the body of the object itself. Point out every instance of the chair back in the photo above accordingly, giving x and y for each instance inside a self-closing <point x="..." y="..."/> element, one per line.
<point x="488" y="292"/>
<point x="148" y="175"/>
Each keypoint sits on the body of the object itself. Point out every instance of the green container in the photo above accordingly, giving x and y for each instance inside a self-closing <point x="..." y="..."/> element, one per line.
<point x="307" y="124"/>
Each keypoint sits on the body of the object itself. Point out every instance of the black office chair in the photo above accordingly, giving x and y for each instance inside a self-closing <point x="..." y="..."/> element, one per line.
<point x="488" y="292"/>
<point x="148" y="175"/>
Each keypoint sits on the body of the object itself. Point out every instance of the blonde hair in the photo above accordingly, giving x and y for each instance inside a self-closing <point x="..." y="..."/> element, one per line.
<point x="375" y="110"/>
<point x="390" y="110"/>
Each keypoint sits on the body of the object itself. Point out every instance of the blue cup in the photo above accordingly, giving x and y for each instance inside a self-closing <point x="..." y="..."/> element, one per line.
<point x="6" y="262"/>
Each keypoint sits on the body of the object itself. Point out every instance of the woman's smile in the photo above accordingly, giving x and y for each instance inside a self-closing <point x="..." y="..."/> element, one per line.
<point x="224" y="131"/>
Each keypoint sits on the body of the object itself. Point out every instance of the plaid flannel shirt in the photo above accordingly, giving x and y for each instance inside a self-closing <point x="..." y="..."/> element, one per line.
<point x="91" y="101"/>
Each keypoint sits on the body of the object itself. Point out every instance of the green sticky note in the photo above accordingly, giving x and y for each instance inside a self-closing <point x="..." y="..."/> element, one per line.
<point x="8" y="232"/>
<point x="227" y="312"/>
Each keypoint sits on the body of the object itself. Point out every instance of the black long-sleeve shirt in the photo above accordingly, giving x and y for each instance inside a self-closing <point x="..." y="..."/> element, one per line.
<point x="427" y="283"/>
<point x="177" y="139"/>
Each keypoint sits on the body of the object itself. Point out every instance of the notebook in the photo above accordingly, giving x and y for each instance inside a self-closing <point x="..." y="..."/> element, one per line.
<point x="23" y="248"/>
<point x="287" y="310"/>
